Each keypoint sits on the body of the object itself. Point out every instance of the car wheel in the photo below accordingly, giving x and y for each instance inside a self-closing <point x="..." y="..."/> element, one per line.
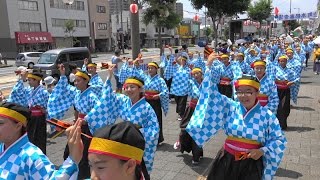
<point x="30" y="65"/>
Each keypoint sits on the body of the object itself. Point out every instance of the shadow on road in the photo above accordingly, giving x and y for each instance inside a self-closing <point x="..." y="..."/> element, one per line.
<point x="288" y="173"/>
<point x="302" y="108"/>
<point x="166" y="147"/>
<point x="205" y="163"/>
<point x="304" y="97"/>
<point x="307" y="82"/>
<point x="299" y="129"/>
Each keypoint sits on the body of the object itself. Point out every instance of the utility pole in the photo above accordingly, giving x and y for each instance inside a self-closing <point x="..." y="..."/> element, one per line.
<point x="290" y="7"/>
<point x="122" y="37"/>
<point x="135" y="33"/>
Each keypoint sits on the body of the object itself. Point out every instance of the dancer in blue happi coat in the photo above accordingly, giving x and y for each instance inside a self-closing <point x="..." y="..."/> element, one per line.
<point x="295" y="65"/>
<point x="229" y="72"/>
<point x="255" y="144"/>
<point x="179" y="86"/>
<point x="245" y="67"/>
<point x="285" y="78"/>
<point x="156" y="94"/>
<point x="35" y="98"/>
<point x="83" y="98"/>
<point x="268" y="96"/>
<point x="186" y="143"/>
<point x="20" y="159"/>
<point x="130" y="107"/>
<point x="91" y="68"/>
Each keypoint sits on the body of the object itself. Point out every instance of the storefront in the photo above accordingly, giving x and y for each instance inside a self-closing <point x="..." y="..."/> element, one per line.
<point x="33" y="41"/>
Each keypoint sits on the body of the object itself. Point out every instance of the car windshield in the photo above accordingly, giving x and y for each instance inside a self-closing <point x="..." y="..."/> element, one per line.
<point x="47" y="58"/>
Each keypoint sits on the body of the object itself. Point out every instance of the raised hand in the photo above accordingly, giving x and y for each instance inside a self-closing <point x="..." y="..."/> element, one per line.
<point x="211" y="58"/>
<point x="86" y="61"/>
<point x="62" y="69"/>
<point x="75" y="143"/>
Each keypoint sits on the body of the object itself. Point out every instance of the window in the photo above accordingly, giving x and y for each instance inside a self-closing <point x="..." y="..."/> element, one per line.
<point x="143" y="29"/>
<point x="61" y="22"/>
<point x="28" y="5"/>
<point x="29" y="27"/>
<point x="78" y="56"/>
<point x="162" y="30"/>
<point x="34" y="54"/>
<point x="102" y="26"/>
<point x="80" y="23"/>
<point x="101" y="9"/>
<point x="76" y="5"/>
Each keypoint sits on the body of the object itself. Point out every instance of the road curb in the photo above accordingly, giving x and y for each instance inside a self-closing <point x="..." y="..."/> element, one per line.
<point x="4" y="66"/>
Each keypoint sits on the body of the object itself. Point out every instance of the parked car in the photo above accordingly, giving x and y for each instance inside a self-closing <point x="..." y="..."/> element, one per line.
<point x="49" y="61"/>
<point x="27" y="59"/>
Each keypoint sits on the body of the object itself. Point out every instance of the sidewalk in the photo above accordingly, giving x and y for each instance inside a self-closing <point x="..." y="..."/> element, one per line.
<point x="301" y="160"/>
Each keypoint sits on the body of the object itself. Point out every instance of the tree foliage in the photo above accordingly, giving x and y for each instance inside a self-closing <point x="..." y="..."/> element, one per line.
<point x="207" y="31"/>
<point x="156" y="13"/>
<point x="162" y="14"/>
<point x="220" y="8"/>
<point x="260" y="10"/>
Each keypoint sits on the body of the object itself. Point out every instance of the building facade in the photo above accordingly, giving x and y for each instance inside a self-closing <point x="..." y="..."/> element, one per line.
<point x="100" y="25"/>
<point x="23" y="27"/>
<point x="59" y="14"/>
<point x="179" y="9"/>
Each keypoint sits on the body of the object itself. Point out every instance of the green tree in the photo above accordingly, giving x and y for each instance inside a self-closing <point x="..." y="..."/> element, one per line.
<point x="260" y="10"/>
<point x="207" y="31"/>
<point x="162" y="14"/>
<point x="217" y="9"/>
<point x="69" y="29"/>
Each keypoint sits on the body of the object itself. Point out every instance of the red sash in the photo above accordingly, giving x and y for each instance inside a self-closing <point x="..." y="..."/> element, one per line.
<point x="263" y="99"/>
<point x="225" y="81"/>
<point x="193" y="103"/>
<point x="36" y="111"/>
<point x="149" y="94"/>
<point x="282" y="84"/>
<point x="239" y="147"/>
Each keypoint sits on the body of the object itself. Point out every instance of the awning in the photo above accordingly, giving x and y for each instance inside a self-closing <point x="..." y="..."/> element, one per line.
<point x="33" y="37"/>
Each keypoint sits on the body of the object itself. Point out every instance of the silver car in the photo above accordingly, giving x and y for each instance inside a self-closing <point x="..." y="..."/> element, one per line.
<point x="28" y="59"/>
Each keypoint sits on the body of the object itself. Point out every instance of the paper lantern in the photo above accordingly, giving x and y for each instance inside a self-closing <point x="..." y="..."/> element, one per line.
<point x="196" y="17"/>
<point x="134" y="8"/>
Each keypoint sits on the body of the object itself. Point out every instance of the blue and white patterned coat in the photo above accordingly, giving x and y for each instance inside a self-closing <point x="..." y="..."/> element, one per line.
<point x="112" y="106"/>
<point x="96" y="81"/>
<point x="179" y="86"/>
<point x="126" y="71"/>
<point x="29" y="97"/>
<point x="156" y="83"/>
<point x="199" y="62"/>
<point x="23" y="160"/>
<point x="269" y="88"/>
<point x="215" y="111"/>
<point x="170" y="68"/>
<point x="245" y="67"/>
<point x="296" y="66"/>
<point x="64" y="96"/>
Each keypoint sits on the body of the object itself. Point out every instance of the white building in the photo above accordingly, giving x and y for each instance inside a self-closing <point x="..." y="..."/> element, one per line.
<point x="58" y="13"/>
<point x="148" y="33"/>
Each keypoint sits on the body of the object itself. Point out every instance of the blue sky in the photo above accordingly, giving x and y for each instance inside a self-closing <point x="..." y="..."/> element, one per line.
<point x="283" y="6"/>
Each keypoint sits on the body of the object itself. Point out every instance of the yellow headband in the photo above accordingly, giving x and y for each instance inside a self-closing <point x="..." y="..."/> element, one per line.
<point x="34" y="77"/>
<point x="240" y="54"/>
<point x="153" y="64"/>
<point x="289" y="51"/>
<point x="183" y="58"/>
<point x="259" y="63"/>
<point x="83" y="75"/>
<point x="133" y="81"/>
<point x="283" y="57"/>
<point x="92" y="65"/>
<point x="247" y="82"/>
<point x="224" y="56"/>
<point x="194" y="70"/>
<point x="13" y="115"/>
<point x="115" y="149"/>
